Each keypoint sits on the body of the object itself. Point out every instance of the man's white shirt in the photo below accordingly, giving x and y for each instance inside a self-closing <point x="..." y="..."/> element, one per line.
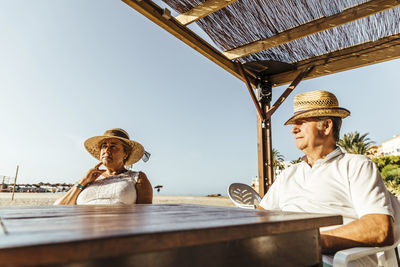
<point x="346" y="184"/>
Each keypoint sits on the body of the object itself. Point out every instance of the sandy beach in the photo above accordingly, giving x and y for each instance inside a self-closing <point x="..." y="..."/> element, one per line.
<point x="43" y="199"/>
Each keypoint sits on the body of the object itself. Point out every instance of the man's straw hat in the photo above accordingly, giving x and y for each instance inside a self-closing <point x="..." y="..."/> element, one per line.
<point x="316" y="104"/>
<point x="92" y="145"/>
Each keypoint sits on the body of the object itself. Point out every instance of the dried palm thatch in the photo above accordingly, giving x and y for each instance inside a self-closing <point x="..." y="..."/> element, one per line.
<point x="246" y="21"/>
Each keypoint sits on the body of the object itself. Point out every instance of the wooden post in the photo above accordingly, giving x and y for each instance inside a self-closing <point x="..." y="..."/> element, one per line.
<point x="265" y="159"/>
<point x="262" y="170"/>
<point x="264" y="140"/>
<point x="15" y="182"/>
<point x="264" y="134"/>
<point x="268" y="145"/>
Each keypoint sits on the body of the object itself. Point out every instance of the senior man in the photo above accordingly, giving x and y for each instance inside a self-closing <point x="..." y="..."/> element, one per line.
<point x="330" y="181"/>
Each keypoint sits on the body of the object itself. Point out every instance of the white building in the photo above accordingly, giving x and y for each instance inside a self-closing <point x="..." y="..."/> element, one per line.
<point x="254" y="183"/>
<point x="391" y="147"/>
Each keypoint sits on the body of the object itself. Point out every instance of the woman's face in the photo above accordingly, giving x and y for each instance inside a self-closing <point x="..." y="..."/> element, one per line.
<point x="112" y="153"/>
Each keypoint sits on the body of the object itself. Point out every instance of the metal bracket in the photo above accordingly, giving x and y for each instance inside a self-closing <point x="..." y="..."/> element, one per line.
<point x="166" y="14"/>
<point x="264" y="91"/>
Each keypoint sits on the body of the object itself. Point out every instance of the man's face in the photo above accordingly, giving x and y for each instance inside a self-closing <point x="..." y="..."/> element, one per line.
<point x="306" y="133"/>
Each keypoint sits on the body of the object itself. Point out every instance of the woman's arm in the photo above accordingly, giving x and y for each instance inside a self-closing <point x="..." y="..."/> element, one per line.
<point x="71" y="196"/>
<point x="144" y="190"/>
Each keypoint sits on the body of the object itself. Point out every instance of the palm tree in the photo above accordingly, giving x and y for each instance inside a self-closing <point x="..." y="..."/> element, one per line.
<point x="298" y="160"/>
<point x="355" y="143"/>
<point x="277" y="159"/>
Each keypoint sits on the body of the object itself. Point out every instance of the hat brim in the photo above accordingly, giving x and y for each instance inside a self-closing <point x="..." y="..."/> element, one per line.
<point x="92" y="146"/>
<point x="319" y="112"/>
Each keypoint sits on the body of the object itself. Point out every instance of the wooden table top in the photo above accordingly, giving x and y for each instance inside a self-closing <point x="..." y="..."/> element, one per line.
<point x="118" y="230"/>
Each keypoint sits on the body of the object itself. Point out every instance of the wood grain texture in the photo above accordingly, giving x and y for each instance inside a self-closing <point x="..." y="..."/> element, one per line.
<point x="348" y="15"/>
<point x="202" y="10"/>
<point x="61" y="234"/>
<point x="259" y="251"/>
<point x="357" y="56"/>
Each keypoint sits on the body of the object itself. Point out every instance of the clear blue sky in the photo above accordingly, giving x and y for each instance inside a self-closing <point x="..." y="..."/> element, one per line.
<point x="70" y="70"/>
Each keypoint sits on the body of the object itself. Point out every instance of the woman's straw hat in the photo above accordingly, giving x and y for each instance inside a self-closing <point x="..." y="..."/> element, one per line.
<point x="92" y="145"/>
<point x="316" y="104"/>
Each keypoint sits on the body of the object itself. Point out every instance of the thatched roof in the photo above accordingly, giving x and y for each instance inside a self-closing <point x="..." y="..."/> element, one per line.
<point x="333" y="35"/>
<point x="247" y="21"/>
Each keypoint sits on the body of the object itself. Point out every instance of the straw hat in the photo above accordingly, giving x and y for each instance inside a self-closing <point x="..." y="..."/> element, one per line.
<point x="316" y="104"/>
<point x="137" y="150"/>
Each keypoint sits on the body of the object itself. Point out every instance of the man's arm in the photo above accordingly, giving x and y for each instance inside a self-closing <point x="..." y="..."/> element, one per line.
<point x="369" y="231"/>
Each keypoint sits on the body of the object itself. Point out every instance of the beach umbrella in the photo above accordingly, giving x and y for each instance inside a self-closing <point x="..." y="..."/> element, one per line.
<point x="158" y="187"/>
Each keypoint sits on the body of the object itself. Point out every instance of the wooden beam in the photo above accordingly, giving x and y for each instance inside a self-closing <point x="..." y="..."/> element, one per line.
<point x="287" y="92"/>
<point x="365" y="54"/>
<point x="251" y="91"/>
<point x="157" y="15"/>
<point x="202" y="10"/>
<point x="350" y="14"/>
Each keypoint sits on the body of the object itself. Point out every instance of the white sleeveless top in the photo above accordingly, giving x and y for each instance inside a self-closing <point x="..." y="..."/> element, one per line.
<point x="117" y="189"/>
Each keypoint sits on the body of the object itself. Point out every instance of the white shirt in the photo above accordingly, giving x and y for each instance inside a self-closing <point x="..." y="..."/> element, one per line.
<point x="118" y="189"/>
<point x="346" y="184"/>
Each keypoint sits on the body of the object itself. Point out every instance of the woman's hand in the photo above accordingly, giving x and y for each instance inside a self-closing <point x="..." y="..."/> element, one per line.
<point x="70" y="197"/>
<point x="92" y="175"/>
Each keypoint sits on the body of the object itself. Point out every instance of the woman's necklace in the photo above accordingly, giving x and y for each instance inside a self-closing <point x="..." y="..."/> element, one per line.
<point x="115" y="173"/>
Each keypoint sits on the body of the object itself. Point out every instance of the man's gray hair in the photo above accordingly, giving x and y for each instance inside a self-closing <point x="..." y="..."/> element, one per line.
<point x="337" y="123"/>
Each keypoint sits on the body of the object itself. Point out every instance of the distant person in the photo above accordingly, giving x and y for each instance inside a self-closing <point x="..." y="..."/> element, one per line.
<point x="330" y="181"/>
<point x="114" y="184"/>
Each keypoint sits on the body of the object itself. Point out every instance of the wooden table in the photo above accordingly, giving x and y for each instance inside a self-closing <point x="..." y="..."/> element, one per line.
<point x="159" y="235"/>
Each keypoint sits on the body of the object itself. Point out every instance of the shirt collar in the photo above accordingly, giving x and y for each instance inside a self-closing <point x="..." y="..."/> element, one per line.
<point x="335" y="153"/>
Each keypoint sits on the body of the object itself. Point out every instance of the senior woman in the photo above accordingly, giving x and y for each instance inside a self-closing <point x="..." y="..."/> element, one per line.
<point x="114" y="184"/>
